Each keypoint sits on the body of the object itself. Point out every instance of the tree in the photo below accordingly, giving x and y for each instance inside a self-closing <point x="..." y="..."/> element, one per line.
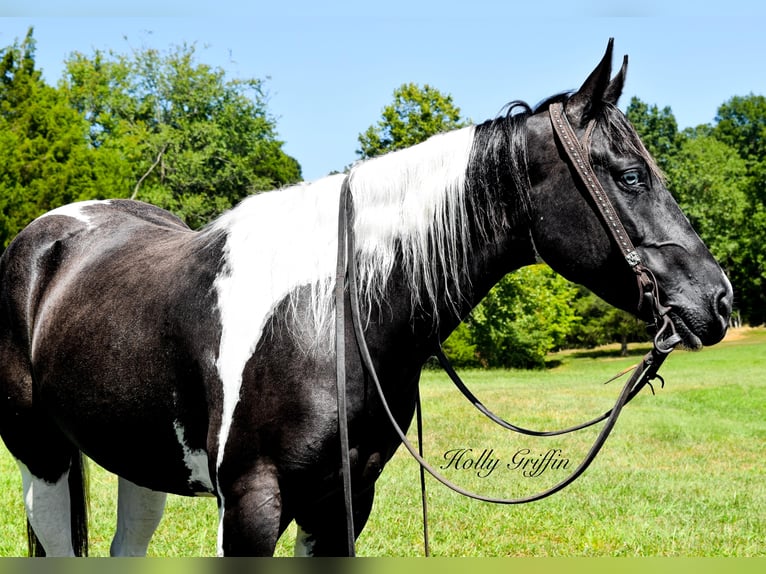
<point x="709" y="180"/>
<point x="197" y="142"/>
<point x="741" y="124"/>
<point x="600" y="323"/>
<point x="45" y="160"/>
<point x="526" y="315"/>
<point x="657" y="129"/>
<point x="415" y="115"/>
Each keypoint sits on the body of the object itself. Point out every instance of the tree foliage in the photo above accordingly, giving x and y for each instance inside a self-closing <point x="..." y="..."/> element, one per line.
<point x="45" y="160"/>
<point x="657" y="129"/>
<point x="156" y="126"/>
<point x="600" y="324"/>
<point x="415" y="115"/>
<point x="526" y="315"/>
<point x="741" y="124"/>
<point x="709" y="181"/>
<point x="197" y="143"/>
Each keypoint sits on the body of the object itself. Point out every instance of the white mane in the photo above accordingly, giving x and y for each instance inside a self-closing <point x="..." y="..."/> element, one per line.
<point x="410" y="205"/>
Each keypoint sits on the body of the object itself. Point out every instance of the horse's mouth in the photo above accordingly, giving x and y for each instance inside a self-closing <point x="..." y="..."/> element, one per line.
<point x="689" y="339"/>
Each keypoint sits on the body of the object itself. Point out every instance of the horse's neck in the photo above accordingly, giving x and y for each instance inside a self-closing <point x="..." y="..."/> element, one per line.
<point x="422" y="327"/>
<point x="489" y="263"/>
<point x="438" y="224"/>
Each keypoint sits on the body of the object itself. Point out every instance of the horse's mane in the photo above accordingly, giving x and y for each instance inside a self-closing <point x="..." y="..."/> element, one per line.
<point x="420" y="208"/>
<point x="625" y="139"/>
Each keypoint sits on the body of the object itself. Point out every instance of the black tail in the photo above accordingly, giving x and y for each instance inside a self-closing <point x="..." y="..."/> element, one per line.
<point x="35" y="548"/>
<point x="78" y="493"/>
<point x="78" y="504"/>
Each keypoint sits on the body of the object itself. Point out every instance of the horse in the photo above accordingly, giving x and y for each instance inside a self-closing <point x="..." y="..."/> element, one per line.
<point x="202" y="363"/>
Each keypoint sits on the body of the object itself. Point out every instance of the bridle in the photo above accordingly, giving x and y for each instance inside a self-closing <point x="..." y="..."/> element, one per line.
<point x="665" y="340"/>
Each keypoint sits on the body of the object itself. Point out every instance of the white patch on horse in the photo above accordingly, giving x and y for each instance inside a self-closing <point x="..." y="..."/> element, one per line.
<point x="196" y="461"/>
<point x="77" y="210"/>
<point x="275" y="243"/>
<point x="139" y="511"/>
<point x="304" y="544"/>
<point x="219" y="539"/>
<point x="48" y="511"/>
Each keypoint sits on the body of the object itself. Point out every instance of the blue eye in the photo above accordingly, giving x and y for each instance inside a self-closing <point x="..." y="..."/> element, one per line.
<point x="631" y="177"/>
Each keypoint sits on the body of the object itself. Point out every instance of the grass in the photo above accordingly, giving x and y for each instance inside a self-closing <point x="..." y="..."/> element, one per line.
<point x="681" y="475"/>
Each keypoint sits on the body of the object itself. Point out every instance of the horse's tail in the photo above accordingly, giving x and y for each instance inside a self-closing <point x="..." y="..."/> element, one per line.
<point x="78" y="505"/>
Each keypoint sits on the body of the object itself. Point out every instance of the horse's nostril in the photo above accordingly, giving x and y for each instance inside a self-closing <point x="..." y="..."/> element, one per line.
<point x="724" y="303"/>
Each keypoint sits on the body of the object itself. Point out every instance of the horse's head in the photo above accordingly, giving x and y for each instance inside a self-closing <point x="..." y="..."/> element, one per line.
<point x="571" y="236"/>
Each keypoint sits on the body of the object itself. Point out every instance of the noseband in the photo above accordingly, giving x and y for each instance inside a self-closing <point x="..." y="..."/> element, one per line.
<point x="664" y="341"/>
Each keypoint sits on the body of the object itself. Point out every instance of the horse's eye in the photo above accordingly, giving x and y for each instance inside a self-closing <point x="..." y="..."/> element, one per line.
<point x="631" y="177"/>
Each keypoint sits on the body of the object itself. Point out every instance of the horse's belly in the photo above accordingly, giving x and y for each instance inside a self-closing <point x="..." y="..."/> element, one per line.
<point x="146" y="454"/>
<point x="151" y="432"/>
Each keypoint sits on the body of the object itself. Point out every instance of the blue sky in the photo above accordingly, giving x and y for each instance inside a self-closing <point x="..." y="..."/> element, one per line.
<point x="332" y="66"/>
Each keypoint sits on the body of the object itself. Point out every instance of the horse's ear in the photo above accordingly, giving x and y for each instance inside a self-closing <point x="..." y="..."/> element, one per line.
<point x="614" y="89"/>
<point x="591" y="93"/>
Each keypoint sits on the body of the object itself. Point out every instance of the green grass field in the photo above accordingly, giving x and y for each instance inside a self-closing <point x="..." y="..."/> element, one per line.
<point x="681" y="475"/>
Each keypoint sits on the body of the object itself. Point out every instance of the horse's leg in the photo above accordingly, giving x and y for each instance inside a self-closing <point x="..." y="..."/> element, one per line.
<point x="139" y="511"/>
<point x="53" y="485"/>
<point x="251" y="513"/>
<point x="48" y="511"/>
<point x="322" y="529"/>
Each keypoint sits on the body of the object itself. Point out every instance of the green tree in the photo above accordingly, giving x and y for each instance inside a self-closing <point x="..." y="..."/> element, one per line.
<point x="600" y="323"/>
<point x="415" y="115"/>
<point x="45" y="159"/>
<point x="657" y="128"/>
<point x="525" y="316"/>
<point x="196" y="141"/>
<point x="709" y="180"/>
<point x="741" y="124"/>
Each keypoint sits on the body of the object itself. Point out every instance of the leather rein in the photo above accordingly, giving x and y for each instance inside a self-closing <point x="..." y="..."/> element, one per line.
<point x="664" y="341"/>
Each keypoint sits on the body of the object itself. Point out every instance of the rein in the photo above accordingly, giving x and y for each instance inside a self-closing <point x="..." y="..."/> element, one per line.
<point x="664" y="341"/>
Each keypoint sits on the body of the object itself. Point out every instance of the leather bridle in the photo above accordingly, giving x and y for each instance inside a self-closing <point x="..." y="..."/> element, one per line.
<point x="664" y="341"/>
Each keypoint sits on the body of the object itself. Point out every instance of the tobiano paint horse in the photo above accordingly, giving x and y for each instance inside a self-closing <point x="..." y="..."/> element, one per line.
<point x="203" y="362"/>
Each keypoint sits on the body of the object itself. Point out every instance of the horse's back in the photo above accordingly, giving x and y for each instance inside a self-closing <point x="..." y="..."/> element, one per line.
<point x="61" y="244"/>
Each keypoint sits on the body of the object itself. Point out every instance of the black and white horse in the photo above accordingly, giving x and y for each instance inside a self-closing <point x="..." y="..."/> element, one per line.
<point x="203" y="362"/>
